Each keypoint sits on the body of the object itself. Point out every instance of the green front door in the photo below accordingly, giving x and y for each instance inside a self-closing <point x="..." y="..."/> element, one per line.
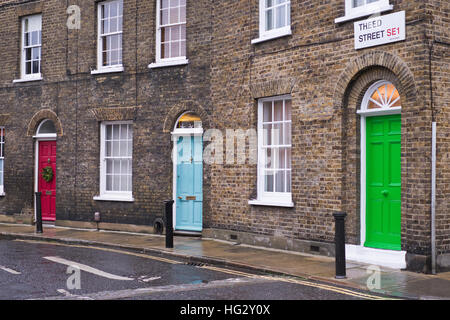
<point x="383" y="182"/>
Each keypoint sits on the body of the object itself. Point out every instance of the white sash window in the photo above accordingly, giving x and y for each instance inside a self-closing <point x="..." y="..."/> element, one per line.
<point x="360" y="8"/>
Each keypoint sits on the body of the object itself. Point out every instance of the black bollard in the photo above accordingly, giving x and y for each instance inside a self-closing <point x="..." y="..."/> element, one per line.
<point x="169" y="223"/>
<point x="38" y="213"/>
<point x="339" y="237"/>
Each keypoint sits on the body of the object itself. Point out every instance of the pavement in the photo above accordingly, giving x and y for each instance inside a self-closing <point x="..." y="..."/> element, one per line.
<point x="392" y="282"/>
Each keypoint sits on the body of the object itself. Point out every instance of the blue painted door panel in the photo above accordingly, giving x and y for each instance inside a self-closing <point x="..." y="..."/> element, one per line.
<point x="189" y="199"/>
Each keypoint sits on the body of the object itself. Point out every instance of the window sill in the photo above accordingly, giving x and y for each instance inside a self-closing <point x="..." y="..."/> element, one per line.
<point x="162" y="64"/>
<point x="39" y="78"/>
<point x="108" y="70"/>
<point x="2" y="194"/>
<point x="363" y="14"/>
<point x="114" y="198"/>
<point x="270" y="203"/>
<point x="275" y="35"/>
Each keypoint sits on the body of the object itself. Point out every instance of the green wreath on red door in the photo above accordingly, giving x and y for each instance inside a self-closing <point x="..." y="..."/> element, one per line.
<point x="47" y="173"/>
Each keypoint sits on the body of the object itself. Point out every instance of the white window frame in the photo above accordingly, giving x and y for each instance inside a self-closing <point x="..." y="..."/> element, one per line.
<point x="124" y="196"/>
<point x="278" y="199"/>
<point x="352" y="13"/>
<point x="33" y="76"/>
<point x="100" y="67"/>
<point x="2" y="157"/>
<point x="166" y="62"/>
<point x="274" y="33"/>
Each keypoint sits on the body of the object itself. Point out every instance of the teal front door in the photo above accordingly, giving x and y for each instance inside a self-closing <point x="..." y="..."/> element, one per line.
<point x="189" y="183"/>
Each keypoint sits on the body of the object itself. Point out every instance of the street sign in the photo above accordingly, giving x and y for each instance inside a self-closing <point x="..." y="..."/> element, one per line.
<point x="380" y="30"/>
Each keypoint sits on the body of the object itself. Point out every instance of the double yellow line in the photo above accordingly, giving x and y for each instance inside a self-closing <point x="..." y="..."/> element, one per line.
<point x="301" y="282"/>
<point x="223" y="270"/>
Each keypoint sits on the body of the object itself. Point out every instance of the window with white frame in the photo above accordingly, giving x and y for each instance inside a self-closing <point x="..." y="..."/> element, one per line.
<point x="110" y="17"/>
<point x="274" y="19"/>
<point x="171" y="30"/>
<point x="2" y="158"/>
<point x="31" y="47"/>
<point x="274" y="150"/>
<point x="360" y="8"/>
<point x="116" y="159"/>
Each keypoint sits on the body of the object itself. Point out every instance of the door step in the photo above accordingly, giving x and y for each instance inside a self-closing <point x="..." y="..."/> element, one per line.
<point x="187" y="233"/>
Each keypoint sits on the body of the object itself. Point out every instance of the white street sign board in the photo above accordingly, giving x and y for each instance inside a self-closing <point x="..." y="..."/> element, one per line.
<point x="380" y="30"/>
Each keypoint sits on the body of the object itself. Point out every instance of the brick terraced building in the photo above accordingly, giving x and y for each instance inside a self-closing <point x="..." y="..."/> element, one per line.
<point x="342" y="102"/>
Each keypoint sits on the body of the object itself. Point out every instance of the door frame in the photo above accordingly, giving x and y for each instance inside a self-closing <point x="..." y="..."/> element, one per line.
<point x="390" y="258"/>
<point x="37" y="139"/>
<point x="176" y="133"/>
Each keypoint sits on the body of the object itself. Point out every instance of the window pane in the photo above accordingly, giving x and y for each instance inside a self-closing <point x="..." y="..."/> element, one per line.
<point x="36" y="53"/>
<point x="287" y="110"/>
<point x="175" y="49"/>
<point x="174" y="15"/>
<point x="281" y="16"/>
<point x="109" y="183"/>
<point x="278" y="134"/>
<point x="182" y="14"/>
<point x="268" y="181"/>
<point x="268" y="161"/>
<point x="267" y="134"/>
<point x="35" y="66"/>
<point x="287" y="133"/>
<point x="164" y="17"/>
<point x="28" y="54"/>
<point x="267" y="111"/>
<point x="280" y="181"/>
<point x="288" y="181"/>
<point x="278" y="110"/>
<point x="164" y="3"/>
<point x="269" y="19"/>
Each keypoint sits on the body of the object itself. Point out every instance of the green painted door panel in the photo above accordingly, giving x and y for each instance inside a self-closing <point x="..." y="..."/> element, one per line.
<point x="383" y="182"/>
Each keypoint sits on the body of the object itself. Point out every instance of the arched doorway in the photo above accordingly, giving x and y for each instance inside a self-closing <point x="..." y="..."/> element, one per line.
<point x="187" y="138"/>
<point x="381" y="167"/>
<point x="45" y="168"/>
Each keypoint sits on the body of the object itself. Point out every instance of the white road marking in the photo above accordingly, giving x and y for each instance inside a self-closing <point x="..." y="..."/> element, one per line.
<point x="64" y="292"/>
<point x="10" y="270"/>
<point x="149" y="279"/>
<point x="88" y="269"/>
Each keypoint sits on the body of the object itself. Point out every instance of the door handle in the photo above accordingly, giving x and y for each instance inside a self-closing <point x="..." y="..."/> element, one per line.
<point x="385" y="192"/>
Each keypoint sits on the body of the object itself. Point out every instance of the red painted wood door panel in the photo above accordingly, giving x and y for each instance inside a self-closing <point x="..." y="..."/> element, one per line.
<point x="47" y="157"/>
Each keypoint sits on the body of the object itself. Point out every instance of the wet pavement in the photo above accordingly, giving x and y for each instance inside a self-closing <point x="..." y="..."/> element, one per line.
<point x="391" y="282"/>
<point x="37" y="270"/>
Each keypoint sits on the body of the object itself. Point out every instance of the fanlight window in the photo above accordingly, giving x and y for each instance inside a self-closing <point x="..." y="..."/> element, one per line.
<point x="46" y="127"/>
<point x="189" y="120"/>
<point x="383" y="96"/>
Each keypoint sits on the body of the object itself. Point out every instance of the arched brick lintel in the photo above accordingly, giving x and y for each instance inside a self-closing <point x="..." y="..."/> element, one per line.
<point x="42" y="115"/>
<point x="406" y="84"/>
<point x="179" y="108"/>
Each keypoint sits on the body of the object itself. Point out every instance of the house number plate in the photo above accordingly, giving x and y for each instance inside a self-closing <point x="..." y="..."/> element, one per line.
<point x="191" y="198"/>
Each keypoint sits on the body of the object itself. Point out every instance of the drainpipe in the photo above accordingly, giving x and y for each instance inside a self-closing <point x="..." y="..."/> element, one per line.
<point x="433" y="165"/>
<point x="433" y="199"/>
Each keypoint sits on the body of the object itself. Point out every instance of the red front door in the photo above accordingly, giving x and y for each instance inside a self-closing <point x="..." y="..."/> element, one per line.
<point x="47" y="158"/>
